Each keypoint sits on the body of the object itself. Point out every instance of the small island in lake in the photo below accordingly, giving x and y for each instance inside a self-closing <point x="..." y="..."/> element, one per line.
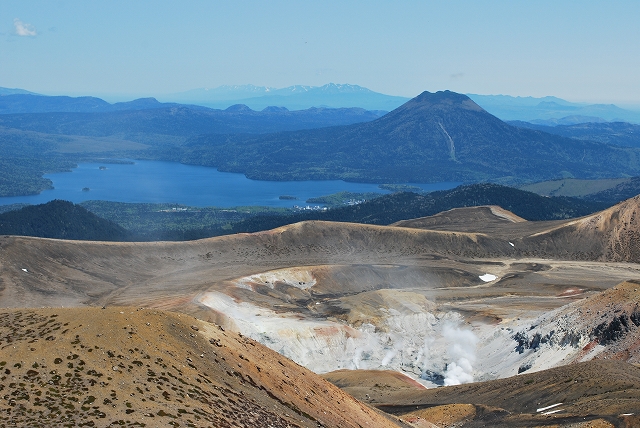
<point x="288" y="198"/>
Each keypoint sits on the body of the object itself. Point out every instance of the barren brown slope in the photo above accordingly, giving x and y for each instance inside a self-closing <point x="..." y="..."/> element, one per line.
<point x="44" y="272"/>
<point x="482" y="219"/>
<point x="604" y="326"/>
<point x="374" y="386"/>
<point x="491" y="220"/>
<point x="138" y="367"/>
<point x="37" y="272"/>
<point x="594" y="389"/>
<point x="41" y="271"/>
<point x="594" y="394"/>
<point x="609" y="235"/>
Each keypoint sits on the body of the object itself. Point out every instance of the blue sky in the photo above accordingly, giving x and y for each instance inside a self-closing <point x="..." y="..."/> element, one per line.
<point x="577" y="50"/>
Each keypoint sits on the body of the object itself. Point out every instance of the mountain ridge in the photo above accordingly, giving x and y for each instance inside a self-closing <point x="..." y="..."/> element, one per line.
<point x="19" y="103"/>
<point x="295" y="97"/>
<point x="389" y="209"/>
<point x="182" y="120"/>
<point x="349" y="286"/>
<point x="12" y="91"/>
<point x="616" y="133"/>
<point x="548" y="108"/>
<point x="434" y="137"/>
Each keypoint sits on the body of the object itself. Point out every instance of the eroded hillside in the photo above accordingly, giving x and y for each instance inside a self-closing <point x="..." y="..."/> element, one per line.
<point x="477" y="295"/>
<point x="135" y="367"/>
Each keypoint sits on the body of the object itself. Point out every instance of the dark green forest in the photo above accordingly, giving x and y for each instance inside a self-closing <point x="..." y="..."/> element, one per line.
<point x="61" y="220"/>
<point x="435" y="137"/>
<point x="170" y="222"/>
<point x="174" y="222"/>
<point x="406" y="205"/>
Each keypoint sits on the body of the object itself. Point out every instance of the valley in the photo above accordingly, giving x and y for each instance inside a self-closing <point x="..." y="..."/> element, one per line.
<point x="480" y="305"/>
<point x="432" y="138"/>
<point x="444" y="300"/>
<point x="332" y="214"/>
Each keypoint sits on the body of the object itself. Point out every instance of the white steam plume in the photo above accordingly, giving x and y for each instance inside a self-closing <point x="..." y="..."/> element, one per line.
<point x="391" y="353"/>
<point x="462" y="354"/>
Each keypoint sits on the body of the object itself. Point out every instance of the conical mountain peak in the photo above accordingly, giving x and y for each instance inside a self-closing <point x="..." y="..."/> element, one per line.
<point x="443" y="101"/>
<point x="441" y="136"/>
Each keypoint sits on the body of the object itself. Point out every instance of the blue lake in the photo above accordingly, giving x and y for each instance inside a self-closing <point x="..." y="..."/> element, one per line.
<point x="156" y="182"/>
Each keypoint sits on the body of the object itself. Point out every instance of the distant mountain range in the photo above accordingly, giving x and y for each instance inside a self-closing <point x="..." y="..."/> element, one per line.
<point x="434" y="137"/>
<point x="617" y="133"/>
<point x="96" y="117"/>
<point x="19" y="103"/>
<point x="549" y="111"/>
<point x="441" y="136"/>
<point x="545" y="110"/>
<point x="296" y="97"/>
<point x="176" y="120"/>
<point x="552" y="111"/>
<point x="13" y="91"/>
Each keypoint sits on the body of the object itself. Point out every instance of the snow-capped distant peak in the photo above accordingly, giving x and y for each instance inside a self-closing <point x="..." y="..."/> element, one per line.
<point x="343" y="88"/>
<point x="298" y="88"/>
<point x="243" y="88"/>
<point x="295" y="97"/>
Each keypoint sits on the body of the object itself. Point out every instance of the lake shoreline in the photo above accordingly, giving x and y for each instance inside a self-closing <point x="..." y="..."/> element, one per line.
<point x="144" y="181"/>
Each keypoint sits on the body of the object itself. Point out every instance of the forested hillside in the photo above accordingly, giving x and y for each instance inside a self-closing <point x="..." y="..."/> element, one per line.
<point x="62" y="220"/>
<point x="401" y="206"/>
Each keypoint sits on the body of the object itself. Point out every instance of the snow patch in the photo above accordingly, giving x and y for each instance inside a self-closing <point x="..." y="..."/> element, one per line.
<point x="542" y="409"/>
<point x="487" y="277"/>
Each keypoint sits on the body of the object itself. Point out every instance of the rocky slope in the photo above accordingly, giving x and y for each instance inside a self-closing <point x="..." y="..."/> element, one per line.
<point x="609" y="235"/>
<point x="135" y="367"/>
<point x="458" y="303"/>
<point x="602" y="394"/>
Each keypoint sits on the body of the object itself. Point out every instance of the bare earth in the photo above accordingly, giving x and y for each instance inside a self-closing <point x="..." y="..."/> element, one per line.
<point x="137" y="367"/>
<point x="468" y="295"/>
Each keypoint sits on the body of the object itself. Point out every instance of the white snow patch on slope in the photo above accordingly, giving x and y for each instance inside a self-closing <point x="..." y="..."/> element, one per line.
<point x="542" y="409"/>
<point x="551" y="412"/>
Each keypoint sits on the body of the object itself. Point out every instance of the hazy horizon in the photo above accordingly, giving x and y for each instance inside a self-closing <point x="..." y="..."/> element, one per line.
<point x="116" y="97"/>
<point x="581" y="51"/>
